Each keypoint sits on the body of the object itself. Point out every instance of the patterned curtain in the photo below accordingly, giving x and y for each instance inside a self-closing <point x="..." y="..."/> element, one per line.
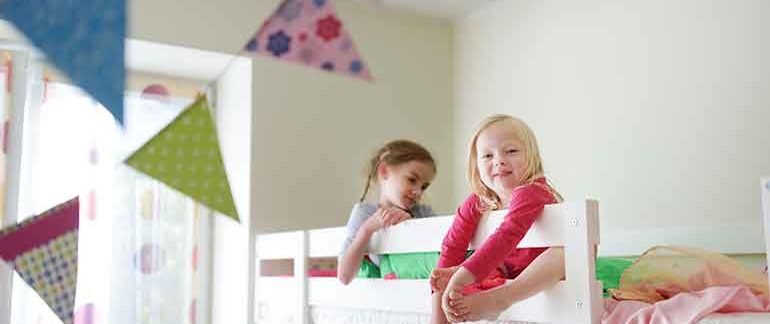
<point x="138" y="238"/>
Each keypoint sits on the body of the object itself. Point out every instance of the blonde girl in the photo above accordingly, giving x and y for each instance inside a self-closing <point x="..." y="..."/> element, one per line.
<point x="505" y="172"/>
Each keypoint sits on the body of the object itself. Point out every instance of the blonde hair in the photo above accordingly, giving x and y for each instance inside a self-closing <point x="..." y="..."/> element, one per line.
<point x="395" y="153"/>
<point x="534" y="164"/>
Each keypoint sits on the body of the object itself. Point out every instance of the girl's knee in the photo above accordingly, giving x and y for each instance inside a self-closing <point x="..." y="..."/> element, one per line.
<point x="556" y="251"/>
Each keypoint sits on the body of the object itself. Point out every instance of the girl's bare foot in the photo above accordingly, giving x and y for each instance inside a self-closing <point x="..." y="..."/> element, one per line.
<point x="440" y="277"/>
<point x="485" y="305"/>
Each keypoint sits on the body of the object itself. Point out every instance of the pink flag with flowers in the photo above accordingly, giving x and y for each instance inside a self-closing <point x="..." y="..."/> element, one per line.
<point x="44" y="252"/>
<point x="309" y="32"/>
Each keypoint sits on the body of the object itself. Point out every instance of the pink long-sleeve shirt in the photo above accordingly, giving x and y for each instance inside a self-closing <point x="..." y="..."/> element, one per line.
<point x="499" y="250"/>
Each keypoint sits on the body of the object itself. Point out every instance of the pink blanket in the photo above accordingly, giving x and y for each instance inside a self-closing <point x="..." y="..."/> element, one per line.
<point x="685" y="307"/>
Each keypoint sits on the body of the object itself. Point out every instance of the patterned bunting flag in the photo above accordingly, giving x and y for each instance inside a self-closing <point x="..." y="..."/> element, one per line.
<point x="84" y="39"/>
<point x="185" y="155"/>
<point x="44" y="252"/>
<point x="309" y="32"/>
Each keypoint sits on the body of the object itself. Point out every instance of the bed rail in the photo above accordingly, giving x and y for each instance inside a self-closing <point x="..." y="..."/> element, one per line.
<point x="765" y="190"/>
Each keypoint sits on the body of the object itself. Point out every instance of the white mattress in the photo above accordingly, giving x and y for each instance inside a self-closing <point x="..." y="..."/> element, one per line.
<point x="331" y="315"/>
<point x="326" y="315"/>
<point x="335" y="315"/>
<point x="737" y="318"/>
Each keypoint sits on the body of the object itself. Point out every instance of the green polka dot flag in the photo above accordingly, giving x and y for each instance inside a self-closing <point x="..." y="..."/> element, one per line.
<point x="185" y="155"/>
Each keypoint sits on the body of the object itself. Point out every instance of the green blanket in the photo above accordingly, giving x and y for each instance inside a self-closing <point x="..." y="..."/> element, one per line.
<point x="420" y="265"/>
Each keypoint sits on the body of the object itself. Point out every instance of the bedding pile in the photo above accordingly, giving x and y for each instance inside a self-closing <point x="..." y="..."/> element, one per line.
<point x="669" y="284"/>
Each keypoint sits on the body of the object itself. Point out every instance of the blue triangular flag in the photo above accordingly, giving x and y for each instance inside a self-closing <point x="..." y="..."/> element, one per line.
<point x="83" y="39"/>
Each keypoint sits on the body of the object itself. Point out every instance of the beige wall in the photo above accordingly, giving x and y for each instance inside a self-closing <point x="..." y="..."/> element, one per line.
<point x="659" y="109"/>
<point x="314" y="131"/>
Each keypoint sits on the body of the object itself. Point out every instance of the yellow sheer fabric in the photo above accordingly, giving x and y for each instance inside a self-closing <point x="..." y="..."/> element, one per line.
<point x="664" y="271"/>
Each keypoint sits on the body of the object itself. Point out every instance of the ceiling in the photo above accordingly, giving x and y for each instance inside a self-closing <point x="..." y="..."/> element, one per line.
<point x="446" y="9"/>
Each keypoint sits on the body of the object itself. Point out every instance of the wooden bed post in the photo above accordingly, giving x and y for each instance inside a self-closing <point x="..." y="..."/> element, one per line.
<point x="584" y="300"/>
<point x="765" y="190"/>
<point x="301" y="278"/>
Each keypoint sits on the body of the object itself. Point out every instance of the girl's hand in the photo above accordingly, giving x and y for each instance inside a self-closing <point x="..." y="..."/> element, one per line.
<point x="439" y="278"/>
<point x="385" y="217"/>
<point x="452" y="294"/>
<point x="448" y="300"/>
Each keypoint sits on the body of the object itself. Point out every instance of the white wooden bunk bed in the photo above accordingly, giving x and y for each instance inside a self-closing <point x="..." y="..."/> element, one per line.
<point x="301" y="299"/>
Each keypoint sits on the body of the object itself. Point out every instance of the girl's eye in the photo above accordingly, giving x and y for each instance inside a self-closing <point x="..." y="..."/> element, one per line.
<point x="412" y="180"/>
<point x="511" y="151"/>
<point x="424" y="187"/>
<point x="486" y="156"/>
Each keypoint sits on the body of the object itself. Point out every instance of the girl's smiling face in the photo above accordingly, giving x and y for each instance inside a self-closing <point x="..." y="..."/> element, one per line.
<point x="500" y="159"/>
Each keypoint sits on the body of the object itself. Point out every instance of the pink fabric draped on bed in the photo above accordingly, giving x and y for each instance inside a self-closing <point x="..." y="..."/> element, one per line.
<point x="670" y="284"/>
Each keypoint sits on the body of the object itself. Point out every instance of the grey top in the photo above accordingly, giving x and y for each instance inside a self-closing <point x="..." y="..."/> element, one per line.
<point x="362" y="211"/>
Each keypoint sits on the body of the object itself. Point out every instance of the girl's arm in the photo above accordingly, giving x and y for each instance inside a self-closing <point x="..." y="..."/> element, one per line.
<point x="459" y="236"/>
<point x="350" y="260"/>
<point x="453" y="250"/>
<point x="526" y="205"/>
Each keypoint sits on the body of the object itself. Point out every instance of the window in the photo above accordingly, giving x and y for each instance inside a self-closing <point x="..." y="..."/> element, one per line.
<point x="139" y="240"/>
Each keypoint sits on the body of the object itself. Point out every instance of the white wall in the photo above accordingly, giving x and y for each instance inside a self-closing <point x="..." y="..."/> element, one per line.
<point x="231" y="269"/>
<point x="659" y="109"/>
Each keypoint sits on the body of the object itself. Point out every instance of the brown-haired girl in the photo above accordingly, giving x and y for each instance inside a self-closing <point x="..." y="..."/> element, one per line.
<point x="401" y="171"/>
